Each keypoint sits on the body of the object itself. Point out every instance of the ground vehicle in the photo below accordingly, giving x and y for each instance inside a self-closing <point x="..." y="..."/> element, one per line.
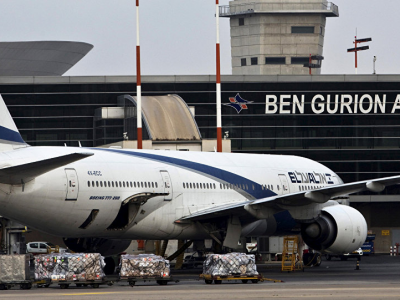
<point x="193" y="260"/>
<point x="355" y="254"/>
<point x="43" y="247"/>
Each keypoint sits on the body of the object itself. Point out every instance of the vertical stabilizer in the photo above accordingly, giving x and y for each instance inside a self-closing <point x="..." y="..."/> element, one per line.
<point x="9" y="135"/>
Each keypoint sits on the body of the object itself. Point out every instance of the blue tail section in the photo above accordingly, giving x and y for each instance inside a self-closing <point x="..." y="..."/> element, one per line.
<point x="10" y="137"/>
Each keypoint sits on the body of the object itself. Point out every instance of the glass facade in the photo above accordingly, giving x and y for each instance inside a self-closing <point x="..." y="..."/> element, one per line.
<point x="353" y="127"/>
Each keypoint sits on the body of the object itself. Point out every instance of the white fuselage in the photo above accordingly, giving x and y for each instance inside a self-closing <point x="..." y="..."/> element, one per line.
<point x="60" y="201"/>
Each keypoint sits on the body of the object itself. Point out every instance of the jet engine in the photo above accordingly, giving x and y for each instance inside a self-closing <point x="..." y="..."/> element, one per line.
<point x="105" y="247"/>
<point x="339" y="229"/>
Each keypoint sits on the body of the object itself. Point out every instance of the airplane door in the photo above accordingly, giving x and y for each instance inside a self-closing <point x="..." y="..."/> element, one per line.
<point x="285" y="184"/>
<point x="167" y="184"/>
<point x="72" y="184"/>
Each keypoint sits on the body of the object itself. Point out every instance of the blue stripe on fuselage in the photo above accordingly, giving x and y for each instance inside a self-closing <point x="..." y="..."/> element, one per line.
<point x="10" y="135"/>
<point x="254" y="191"/>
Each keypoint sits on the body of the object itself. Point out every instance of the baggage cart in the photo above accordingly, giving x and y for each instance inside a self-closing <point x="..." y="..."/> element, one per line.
<point x="160" y="280"/>
<point x="64" y="284"/>
<point x="208" y="279"/>
<point x="23" y="284"/>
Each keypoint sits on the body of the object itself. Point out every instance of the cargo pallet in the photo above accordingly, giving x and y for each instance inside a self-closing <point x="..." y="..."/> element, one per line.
<point x="208" y="279"/>
<point x="160" y="280"/>
<point x="64" y="284"/>
<point x="23" y="284"/>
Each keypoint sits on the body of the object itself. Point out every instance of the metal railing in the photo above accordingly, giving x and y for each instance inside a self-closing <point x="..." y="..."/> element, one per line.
<point x="276" y="7"/>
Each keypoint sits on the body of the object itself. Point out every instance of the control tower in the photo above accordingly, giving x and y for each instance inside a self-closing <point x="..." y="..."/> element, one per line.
<point x="276" y="36"/>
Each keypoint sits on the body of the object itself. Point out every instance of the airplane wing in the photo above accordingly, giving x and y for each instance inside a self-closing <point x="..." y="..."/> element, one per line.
<point x="295" y="199"/>
<point x="27" y="172"/>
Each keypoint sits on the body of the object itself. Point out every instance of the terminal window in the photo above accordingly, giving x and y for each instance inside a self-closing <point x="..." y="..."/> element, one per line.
<point x="303" y="29"/>
<point x="243" y="62"/>
<point x="300" y="60"/>
<point x="241" y="21"/>
<point x="275" y="60"/>
<point x="254" y="61"/>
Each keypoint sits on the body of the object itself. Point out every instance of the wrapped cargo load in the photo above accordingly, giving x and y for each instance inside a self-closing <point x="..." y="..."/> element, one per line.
<point x="69" y="266"/>
<point x="143" y="265"/>
<point x="230" y="264"/>
<point x="14" y="268"/>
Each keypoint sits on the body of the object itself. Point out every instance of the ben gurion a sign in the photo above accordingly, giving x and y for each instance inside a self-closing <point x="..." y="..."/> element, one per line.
<point x="333" y="104"/>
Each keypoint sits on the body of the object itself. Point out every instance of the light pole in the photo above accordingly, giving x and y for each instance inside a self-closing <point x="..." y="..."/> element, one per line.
<point x="374" y="60"/>
<point x="218" y="83"/>
<point x="138" y="82"/>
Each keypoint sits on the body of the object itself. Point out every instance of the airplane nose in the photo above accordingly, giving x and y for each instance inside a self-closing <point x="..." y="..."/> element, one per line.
<point x="313" y="230"/>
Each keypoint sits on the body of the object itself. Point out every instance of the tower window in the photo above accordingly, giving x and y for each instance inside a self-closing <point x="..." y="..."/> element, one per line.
<point x="303" y="29"/>
<point x="300" y="60"/>
<point x="243" y="62"/>
<point x="254" y="61"/>
<point x="275" y="60"/>
<point x="241" y="21"/>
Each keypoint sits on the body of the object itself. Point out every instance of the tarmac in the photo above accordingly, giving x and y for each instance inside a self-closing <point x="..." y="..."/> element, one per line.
<point x="378" y="277"/>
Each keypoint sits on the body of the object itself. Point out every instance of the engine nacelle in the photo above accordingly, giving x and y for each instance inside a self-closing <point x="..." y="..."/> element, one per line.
<point x="340" y="229"/>
<point x="105" y="247"/>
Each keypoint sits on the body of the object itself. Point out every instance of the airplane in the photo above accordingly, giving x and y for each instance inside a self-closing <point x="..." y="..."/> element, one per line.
<point x="99" y="199"/>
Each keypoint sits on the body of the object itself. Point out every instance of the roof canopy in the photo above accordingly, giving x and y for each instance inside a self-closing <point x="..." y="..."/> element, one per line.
<point x="40" y="58"/>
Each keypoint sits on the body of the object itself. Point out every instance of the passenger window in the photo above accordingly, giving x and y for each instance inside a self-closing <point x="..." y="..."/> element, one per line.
<point x="101" y="183"/>
<point x="92" y="183"/>
<point x="152" y="184"/>
<point x="97" y="183"/>
<point x="277" y="187"/>
<point x="105" y="183"/>
<point x="112" y="182"/>
<point x="184" y="186"/>
<point x="123" y="183"/>
<point x="156" y="185"/>
<point x="214" y="186"/>
<point x="120" y="185"/>
<point x="134" y="183"/>
<point x="88" y="183"/>
<point x="141" y="184"/>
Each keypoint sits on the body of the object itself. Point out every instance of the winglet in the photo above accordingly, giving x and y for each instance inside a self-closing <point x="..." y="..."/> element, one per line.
<point x="24" y="173"/>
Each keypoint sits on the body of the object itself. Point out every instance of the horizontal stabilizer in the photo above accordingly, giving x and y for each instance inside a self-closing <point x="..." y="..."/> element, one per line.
<point x="23" y="173"/>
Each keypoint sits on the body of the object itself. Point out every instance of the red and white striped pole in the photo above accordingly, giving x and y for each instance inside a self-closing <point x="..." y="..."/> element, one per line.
<point x="355" y="45"/>
<point x="219" y="117"/>
<point x="138" y="82"/>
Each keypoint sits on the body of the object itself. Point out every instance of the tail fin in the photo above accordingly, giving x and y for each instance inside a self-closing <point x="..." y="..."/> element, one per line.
<point x="10" y="138"/>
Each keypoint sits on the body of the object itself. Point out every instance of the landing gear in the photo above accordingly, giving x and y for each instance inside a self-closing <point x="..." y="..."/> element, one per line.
<point x="312" y="259"/>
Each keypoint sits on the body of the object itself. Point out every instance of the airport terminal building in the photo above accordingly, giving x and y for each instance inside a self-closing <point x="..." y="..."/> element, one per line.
<point x="349" y="123"/>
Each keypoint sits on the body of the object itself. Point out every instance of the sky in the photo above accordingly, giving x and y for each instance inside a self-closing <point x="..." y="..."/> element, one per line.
<point x="178" y="37"/>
